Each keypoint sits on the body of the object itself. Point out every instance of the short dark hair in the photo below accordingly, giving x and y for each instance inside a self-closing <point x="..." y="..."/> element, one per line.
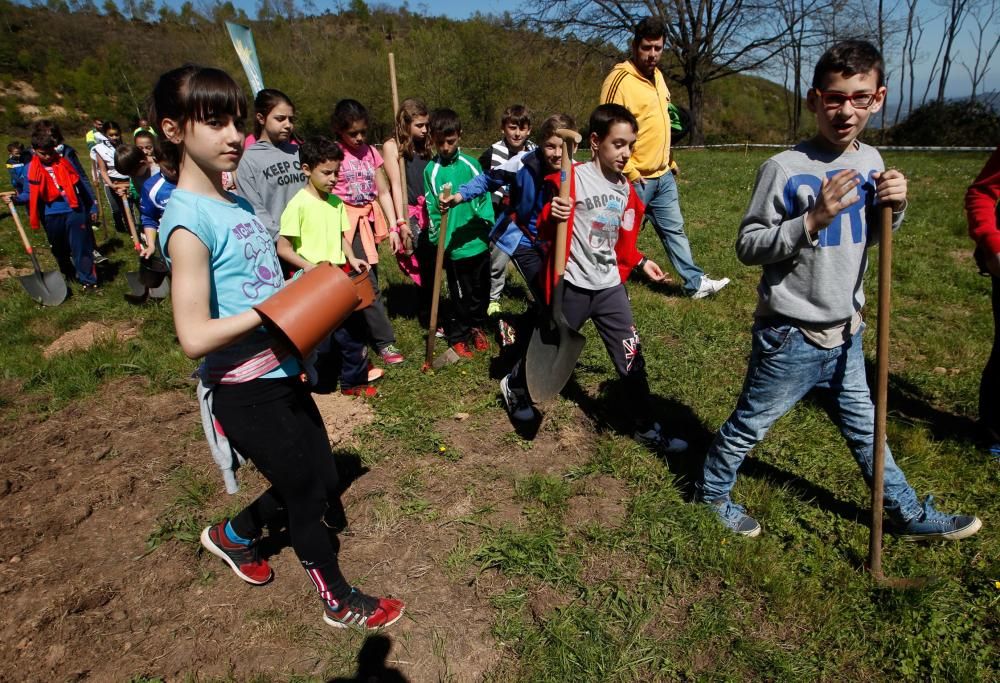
<point x="649" y="28"/>
<point x="314" y="151"/>
<point x="15" y="145"/>
<point x="849" y="57"/>
<point x="47" y="126"/>
<point x="145" y="134"/>
<point x="42" y="138"/>
<point x="110" y="125"/>
<point x="518" y="114"/>
<point x="445" y="122"/>
<point x="607" y="115"/>
<point x="128" y="159"/>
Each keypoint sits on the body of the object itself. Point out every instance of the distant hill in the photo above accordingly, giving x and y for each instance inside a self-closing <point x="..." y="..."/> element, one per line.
<point x="73" y="65"/>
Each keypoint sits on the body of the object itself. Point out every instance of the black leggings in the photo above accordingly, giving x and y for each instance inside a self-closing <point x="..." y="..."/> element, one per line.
<point x="275" y="424"/>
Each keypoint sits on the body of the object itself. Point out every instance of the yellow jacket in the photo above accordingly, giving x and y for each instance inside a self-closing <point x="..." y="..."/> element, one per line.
<point x="648" y="102"/>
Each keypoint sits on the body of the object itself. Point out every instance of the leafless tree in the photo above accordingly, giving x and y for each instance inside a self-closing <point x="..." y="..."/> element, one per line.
<point x="985" y="18"/>
<point x="707" y="40"/>
<point x="956" y="12"/>
<point x="908" y="57"/>
<point x="803" y="20"/>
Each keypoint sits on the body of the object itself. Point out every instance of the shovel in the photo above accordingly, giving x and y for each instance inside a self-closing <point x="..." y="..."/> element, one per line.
<point x="555" y="346"/>
<point x="48" y="289"/>
<point x="881" y="392"/>
<point x="448" y="356"/>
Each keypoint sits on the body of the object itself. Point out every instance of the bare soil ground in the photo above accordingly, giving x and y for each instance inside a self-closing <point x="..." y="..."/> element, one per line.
<point x="82" y="490"/>
<point x="8" y="272"/>
<point x="87" y="335"/>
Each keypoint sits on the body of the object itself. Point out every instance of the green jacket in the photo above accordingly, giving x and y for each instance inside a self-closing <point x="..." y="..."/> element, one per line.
<point x="470" y="222"/>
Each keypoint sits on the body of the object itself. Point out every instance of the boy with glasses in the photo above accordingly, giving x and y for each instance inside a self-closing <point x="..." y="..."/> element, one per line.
<point x="812" y="217"/>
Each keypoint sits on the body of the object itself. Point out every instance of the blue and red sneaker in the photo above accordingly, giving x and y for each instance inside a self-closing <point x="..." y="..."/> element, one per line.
<point x="242" y="559"/>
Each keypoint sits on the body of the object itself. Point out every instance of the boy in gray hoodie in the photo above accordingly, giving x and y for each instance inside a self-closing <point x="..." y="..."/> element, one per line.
<point x="811" y="219"/>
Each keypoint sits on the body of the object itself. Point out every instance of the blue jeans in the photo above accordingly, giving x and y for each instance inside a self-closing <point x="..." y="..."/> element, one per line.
<point x="783" y="368"/>
<point x="663" y="208"/>
<point x="73" y="244"/>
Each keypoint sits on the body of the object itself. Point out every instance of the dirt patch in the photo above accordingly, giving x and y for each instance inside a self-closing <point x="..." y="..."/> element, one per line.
<point x="341" y="414"/>
<point x="82" y="490"/>
<point x="601" y="502"/>
<point x="545" y="600"/>
<point x="88" y="335"/>
<point x="8" y="272"/>
<point x="84" y="599"/>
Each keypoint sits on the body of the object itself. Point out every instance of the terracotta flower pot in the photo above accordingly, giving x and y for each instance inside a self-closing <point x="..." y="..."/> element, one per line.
<point x="363" y="285"/>
<point x="310" y="307"/>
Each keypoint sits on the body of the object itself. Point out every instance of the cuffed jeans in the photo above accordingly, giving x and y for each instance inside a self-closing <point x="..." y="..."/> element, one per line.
<point x="783" y="368"/>
<point x="663" y="208"/>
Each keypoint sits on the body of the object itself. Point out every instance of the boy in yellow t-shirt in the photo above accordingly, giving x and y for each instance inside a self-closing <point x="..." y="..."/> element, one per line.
<point x="312" y="231"/>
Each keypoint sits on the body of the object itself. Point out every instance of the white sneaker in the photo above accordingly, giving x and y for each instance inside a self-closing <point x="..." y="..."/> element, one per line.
<point x="656" y="440"/>
<point x="709" y="286"/>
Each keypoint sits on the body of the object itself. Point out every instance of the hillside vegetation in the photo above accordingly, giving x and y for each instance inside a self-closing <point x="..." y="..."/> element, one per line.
<point x="73" y="65"/>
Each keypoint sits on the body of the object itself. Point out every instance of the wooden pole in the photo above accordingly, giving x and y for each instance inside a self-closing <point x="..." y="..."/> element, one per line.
<point x="881" y="390"/>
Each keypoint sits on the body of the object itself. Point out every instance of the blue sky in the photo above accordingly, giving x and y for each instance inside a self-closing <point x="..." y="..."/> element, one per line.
<point x="958" y="82"/>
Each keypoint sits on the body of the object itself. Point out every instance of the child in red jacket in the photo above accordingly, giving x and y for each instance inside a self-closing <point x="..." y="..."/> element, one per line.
<point x="604" y="214"/>
<point x="981" y="208"/>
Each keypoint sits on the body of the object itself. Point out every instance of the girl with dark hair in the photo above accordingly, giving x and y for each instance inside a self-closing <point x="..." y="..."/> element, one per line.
<point x="365" y="190"/>
<point x="269" y="174"/>
<point x="254" y="403"/>
<point x="115" y="182"/>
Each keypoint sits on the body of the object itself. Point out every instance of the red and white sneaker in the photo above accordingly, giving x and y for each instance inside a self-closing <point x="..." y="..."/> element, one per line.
<point x="363" y="390"/>
<point x="242" y="559"/>
<point x="363" y="612"/>
<point x="480" y="342"/>
<point x="391" y="355"/>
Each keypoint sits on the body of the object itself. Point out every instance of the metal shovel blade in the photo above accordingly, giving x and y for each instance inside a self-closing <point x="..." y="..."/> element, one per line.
<point x="136" y="288"/>
<point x="552" y="352"/>
<point x="48" y="289"/>
<point x="161" y="291"/>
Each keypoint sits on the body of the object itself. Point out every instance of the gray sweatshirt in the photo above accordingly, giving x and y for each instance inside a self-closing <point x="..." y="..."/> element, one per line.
<point x="815" y="281"/>
<point x="269" y="176"/>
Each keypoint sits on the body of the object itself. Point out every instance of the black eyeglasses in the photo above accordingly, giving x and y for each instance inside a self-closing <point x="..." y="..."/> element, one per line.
<point x="836" y="100"/>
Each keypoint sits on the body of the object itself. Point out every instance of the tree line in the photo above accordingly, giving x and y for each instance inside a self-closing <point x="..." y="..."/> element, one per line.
<point x="102" y="60"/>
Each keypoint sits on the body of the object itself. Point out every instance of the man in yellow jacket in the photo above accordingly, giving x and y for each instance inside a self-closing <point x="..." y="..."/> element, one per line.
<point x="639" y="86"/>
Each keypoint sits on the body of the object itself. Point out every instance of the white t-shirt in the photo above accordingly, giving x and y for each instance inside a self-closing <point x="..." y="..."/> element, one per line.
<point x="106" y="151"/>
<point x="597" y="219"/>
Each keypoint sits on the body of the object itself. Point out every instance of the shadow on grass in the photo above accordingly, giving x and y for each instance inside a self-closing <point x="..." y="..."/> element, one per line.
<point x="909" y="403"/>
<point x="612" y="410"/>
<point x="372" y="664"/>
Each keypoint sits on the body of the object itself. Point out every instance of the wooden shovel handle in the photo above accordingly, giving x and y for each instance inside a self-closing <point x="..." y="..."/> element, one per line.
<point x="129" y="219"/>
<point x="565" y="185"/>
<point x="436" y="290"/>
<point x="399" y="149"/>
<point x="881" y="388"/>
<point x="9" y="199"/>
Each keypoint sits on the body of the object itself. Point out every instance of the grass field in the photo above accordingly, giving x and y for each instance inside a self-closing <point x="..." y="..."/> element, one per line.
<point x="647" y="586"/>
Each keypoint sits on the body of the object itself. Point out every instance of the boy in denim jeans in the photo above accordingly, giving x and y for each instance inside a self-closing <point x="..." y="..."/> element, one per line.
<point x="811" y="219"/>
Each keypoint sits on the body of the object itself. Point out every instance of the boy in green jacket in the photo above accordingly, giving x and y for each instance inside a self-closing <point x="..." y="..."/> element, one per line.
<point x="467" y="259"/>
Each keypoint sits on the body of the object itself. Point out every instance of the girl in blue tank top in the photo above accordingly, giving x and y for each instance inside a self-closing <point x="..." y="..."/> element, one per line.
<point x="223" y="263"/>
